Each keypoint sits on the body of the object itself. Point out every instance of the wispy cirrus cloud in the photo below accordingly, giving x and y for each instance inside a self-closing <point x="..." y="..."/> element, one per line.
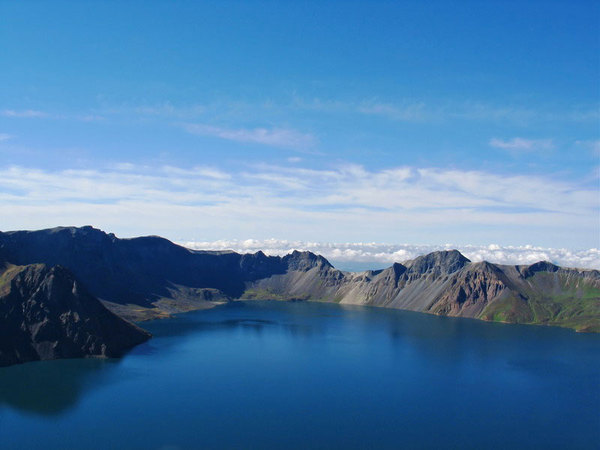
<point x="421" y="110"/>
<point x="522" y="144"/>
<point x="5" y="137"/>
<point x="170" y="110"/>
<point x="593" y="146"/>
<point x="344" y="189"/>
<point x="347" y="202"/>
<point x="24" y="113"/>
<point x="196" y="172"/>
<point x="407" y="112"/>
<point x="37" y="114"/>
<point x="401" y="110"/>
<point x="275" y="137"/>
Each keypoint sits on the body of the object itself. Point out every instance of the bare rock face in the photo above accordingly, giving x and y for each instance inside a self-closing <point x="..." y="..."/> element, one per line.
<point x="46" y="314"/>
<point x="304" y="261"/>
<point x="439" y="263"/>
<point x="471" y="290"/>
<point x="447" y="283"/>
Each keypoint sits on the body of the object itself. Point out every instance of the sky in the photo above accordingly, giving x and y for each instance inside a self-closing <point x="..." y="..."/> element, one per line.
<point x="415" y="124"/>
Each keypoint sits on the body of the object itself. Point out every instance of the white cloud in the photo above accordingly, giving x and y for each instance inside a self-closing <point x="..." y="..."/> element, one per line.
<point x="347" y="203"/>
<point x="198" y="171"/>
<point x="415" y="110"/>
<point x="27" y="113"/>
<point x="276" y="137"/>
<point x="593" y="146"/>
<point x="89" y="118"/>
<point x="125" y="166"/>
<point x="5" y="137"/>
<point x="404" y="112"/>
<point x="167" y="109"/>
<point x="520" y="144"/>
<point x="378" y="253"/>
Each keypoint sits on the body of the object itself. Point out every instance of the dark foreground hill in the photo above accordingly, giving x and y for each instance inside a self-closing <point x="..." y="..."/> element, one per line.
<point x="151" y="277"/>
<point x="46" y="314"/>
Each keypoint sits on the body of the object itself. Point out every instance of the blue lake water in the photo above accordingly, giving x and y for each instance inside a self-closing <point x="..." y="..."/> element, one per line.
<point x="308" y="375"/>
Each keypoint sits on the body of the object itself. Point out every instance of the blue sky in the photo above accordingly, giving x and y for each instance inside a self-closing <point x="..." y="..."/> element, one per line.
<point x="400" y="122"/>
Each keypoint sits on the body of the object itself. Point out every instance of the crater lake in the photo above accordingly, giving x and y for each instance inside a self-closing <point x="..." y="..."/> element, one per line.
<point x="267" y="374"/>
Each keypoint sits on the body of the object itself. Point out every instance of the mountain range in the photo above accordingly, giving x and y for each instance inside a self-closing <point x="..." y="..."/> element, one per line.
<point x="85" y="285"/>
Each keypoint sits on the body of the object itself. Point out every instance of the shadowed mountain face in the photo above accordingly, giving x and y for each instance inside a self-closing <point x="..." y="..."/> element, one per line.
<point x="151" y="277"/>
<point x="46" y="314"/>
<point x="137" y="271"/>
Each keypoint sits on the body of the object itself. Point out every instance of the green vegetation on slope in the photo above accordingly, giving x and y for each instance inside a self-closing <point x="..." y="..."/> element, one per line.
<point x="268" y="294"/>
<point x="7" y="273"/>
<point x="565" y="302"/>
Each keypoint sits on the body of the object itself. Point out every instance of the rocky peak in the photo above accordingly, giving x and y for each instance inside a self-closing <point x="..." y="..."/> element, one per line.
<point x="46" y="313"/>
<point x="397" y="270"/>
<point x="483" y="267"/>
<point x="258" y="265"/>
<point x="443" y="262"/>
<point x="304" y="261"/>
<point x="540" y="266"/>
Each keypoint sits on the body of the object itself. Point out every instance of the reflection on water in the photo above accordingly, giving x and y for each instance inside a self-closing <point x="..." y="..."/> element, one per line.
<point x="52" y="387"/>
<point x="241" y="315"/>
<point x="305" y="375"/>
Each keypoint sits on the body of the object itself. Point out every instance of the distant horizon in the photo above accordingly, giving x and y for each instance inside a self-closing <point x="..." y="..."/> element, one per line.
<point x="359" y="256"/>
<point x="381" y="255"/>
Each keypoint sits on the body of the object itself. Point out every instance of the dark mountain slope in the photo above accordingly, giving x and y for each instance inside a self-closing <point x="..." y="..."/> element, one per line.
<point x="151" y="277"/>
<point x="142" y="272"/>
<point x="46" y="314"/>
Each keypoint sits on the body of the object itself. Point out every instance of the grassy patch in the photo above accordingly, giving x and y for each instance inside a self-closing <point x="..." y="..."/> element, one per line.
<point x="267" y="294"/>
<point x="510" y="309"/>
<point x="9" y="271"/>
<point x="564" y="305"/>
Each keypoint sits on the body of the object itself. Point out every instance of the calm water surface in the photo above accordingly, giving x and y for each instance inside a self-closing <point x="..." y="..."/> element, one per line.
<point x="306" y="375"/>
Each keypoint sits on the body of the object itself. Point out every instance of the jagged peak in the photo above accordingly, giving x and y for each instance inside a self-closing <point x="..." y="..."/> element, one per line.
<point x="398" y="268"/>
<point x="395" y="271"/>
<point x="484" y="269"/>
<point x="445" y="261"/>
<point x="545" y="266"/>
<point x="540" y="266"/>
<point x="257" y="257"/>
<point x="304" y="260"/>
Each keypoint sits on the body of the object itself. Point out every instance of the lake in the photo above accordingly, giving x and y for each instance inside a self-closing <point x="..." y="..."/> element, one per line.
<point x="310" y="375"/>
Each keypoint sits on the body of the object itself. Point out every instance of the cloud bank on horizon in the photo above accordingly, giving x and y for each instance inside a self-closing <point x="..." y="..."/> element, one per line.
<point x="378" y="253"/>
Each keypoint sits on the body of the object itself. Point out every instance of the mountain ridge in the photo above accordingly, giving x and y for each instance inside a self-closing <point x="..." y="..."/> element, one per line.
<point x="150" y="277"/>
